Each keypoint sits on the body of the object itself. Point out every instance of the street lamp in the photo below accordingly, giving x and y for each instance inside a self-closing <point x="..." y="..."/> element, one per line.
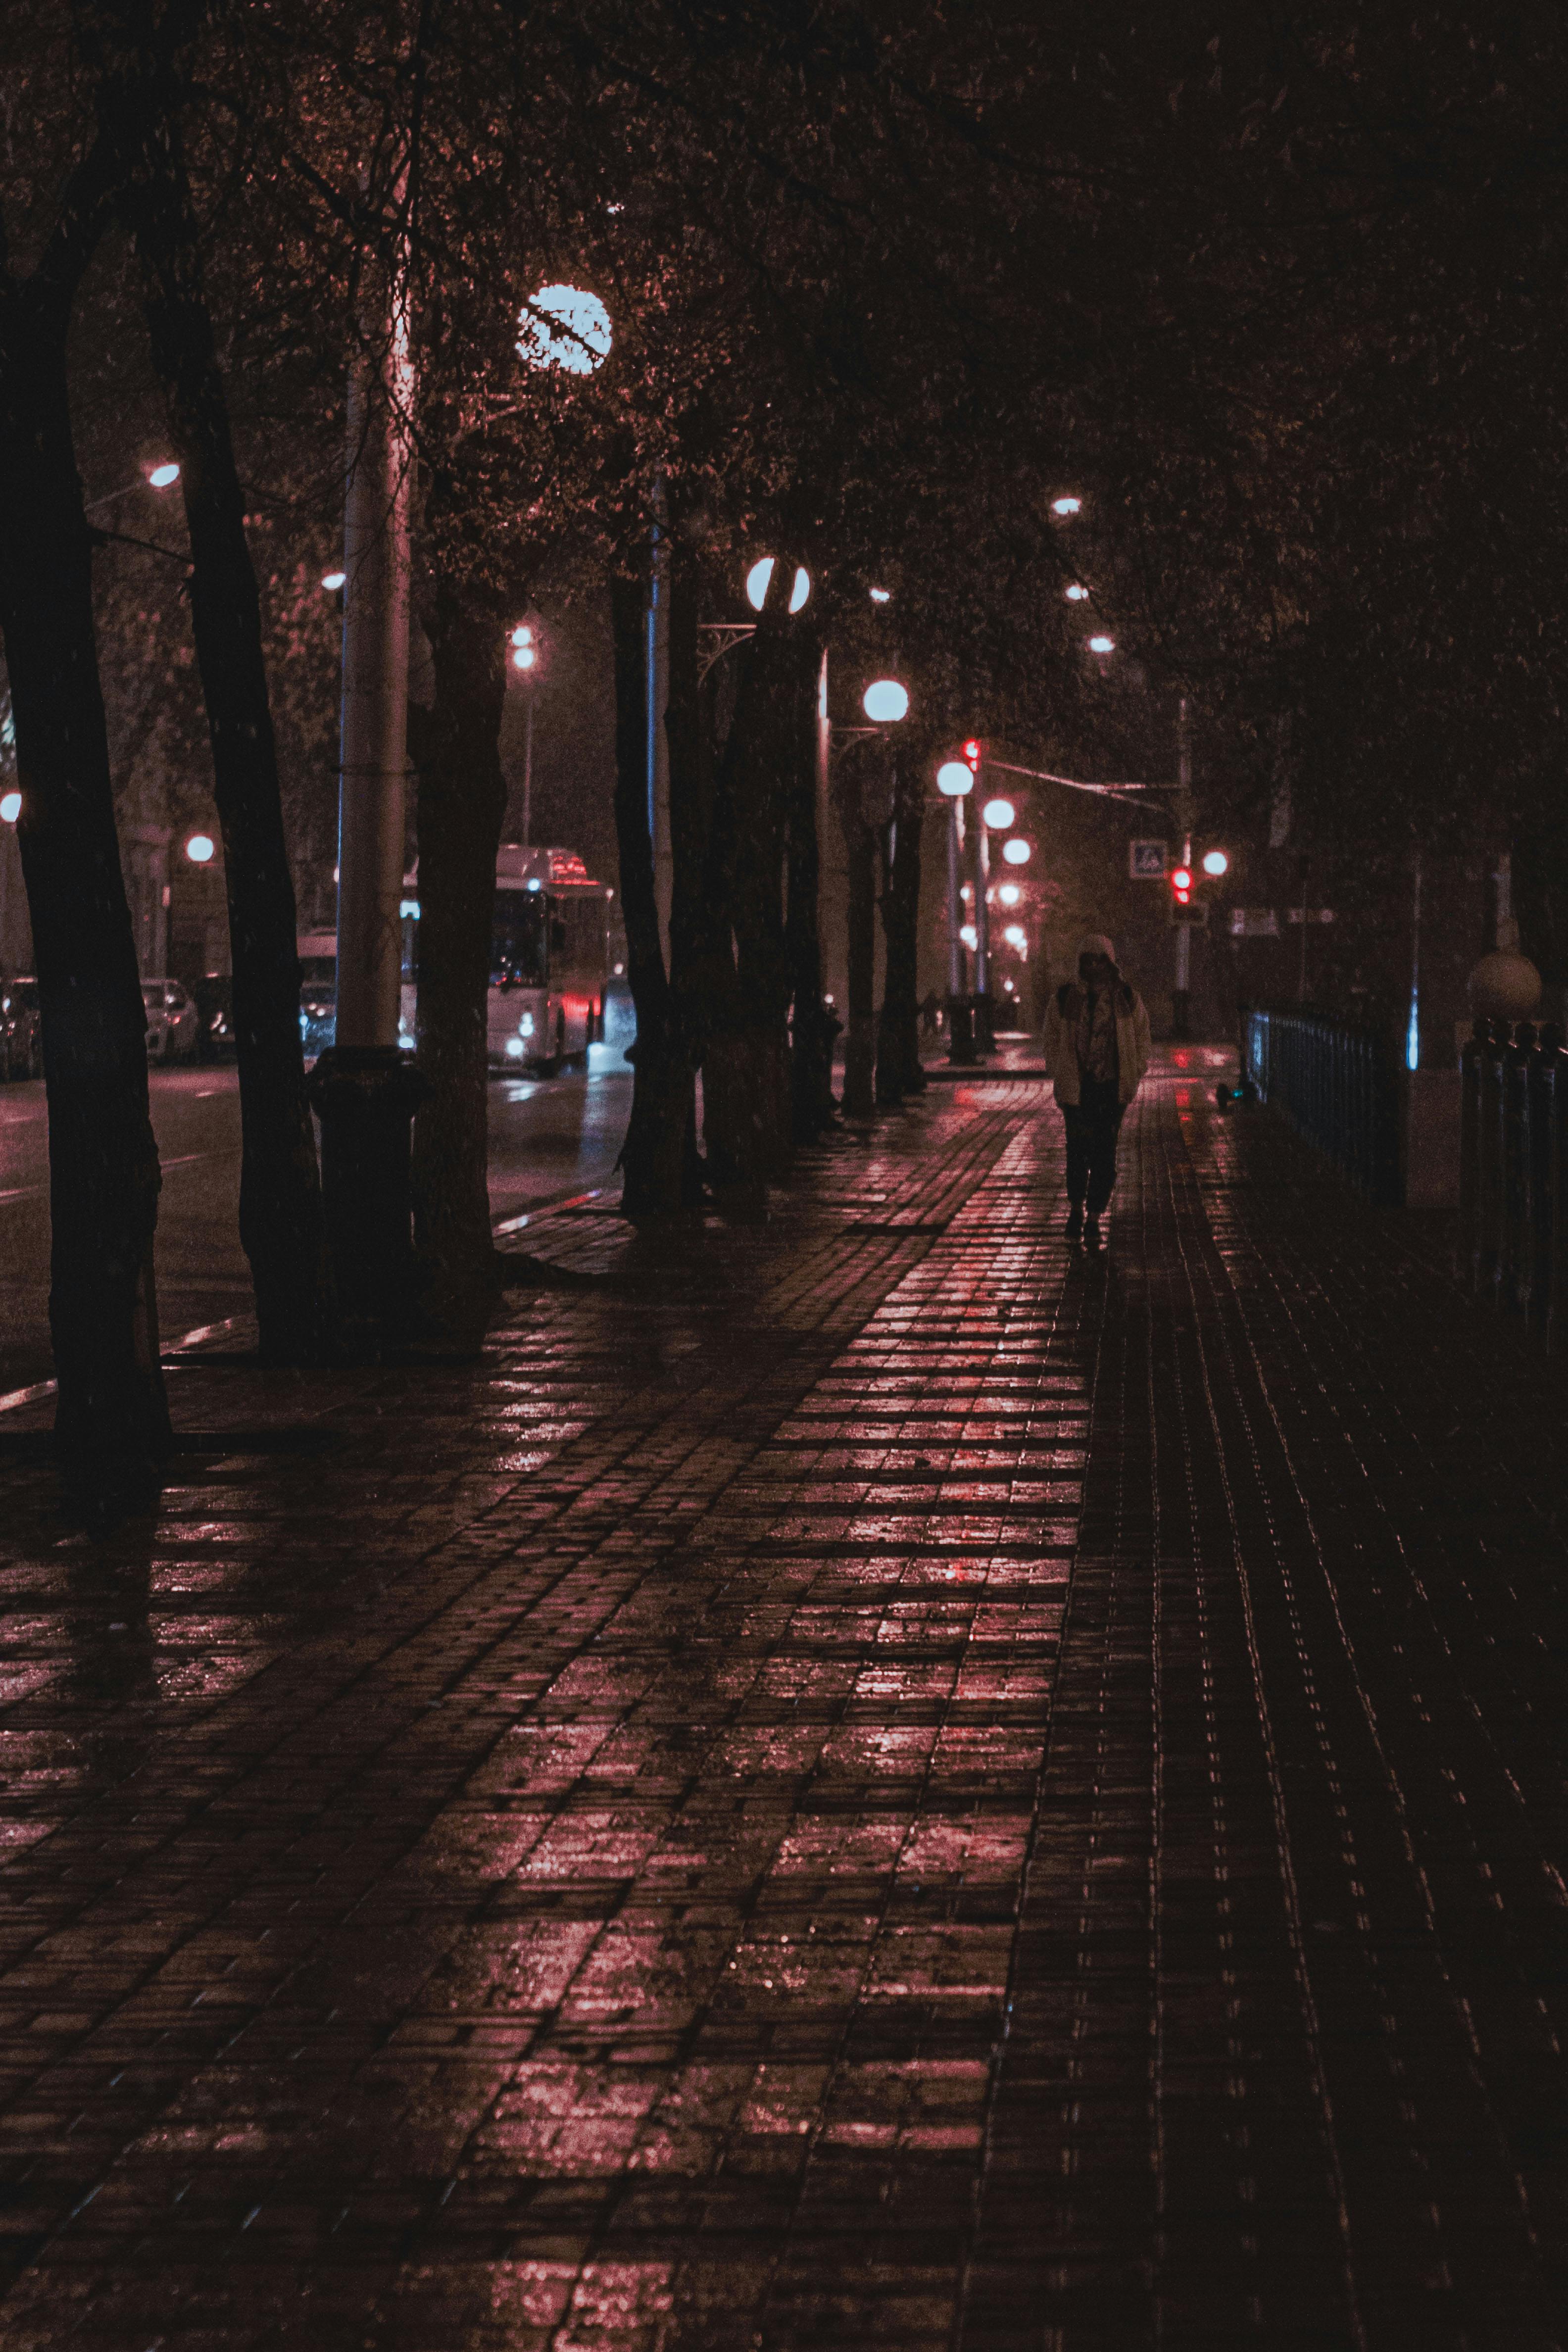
<point x="998" y="814"/>
<point x="1016" y="936"/>
<point x="1215" y="862"/>
<point x="1066" y="505"/>
<point x="1102" y="645"/>
<point x="562" y="327"/>
<point x="1077" y="593"/>
<point x="885" y="701"/>
<point x="199" y="848"/>
<point x="1016" y="853"/>
<point x="1009" y="893"/>
<point x="10" y="807"/>
<point x="332" y="580"/>
<point x="761" y="575"/>
<point x="525" y="657"/>
<point x="955" y="779"/>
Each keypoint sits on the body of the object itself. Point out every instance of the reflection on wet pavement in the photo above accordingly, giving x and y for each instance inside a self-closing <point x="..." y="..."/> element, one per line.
<point x="867" y="1783"/>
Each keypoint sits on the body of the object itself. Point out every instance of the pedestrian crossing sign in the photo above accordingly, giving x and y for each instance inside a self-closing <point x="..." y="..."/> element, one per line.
<point x="1148" y="861"/>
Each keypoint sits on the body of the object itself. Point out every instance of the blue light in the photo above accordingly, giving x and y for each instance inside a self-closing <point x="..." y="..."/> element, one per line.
<point x="1412" y="1036"/>
<point x="534" y="883"/>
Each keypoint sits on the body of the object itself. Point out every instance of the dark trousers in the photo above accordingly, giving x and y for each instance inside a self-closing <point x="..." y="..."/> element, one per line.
<point x="1093" y="1124"/>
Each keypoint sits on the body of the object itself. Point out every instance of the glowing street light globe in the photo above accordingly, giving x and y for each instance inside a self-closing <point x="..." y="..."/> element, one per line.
<point x="1016" y="853"/>
<point x="885" y="700"/>
<point x="757" y="580"/>
<point x="562" y="327"/>
<point x="523" y="656"/>
<point x="968" y="934"/>
<point x="10" y="807"/>
<point x="1216" y="861"/>
<point x="998" y="814"/>
<point x="1016" y="936"/>
<point x="1077" y="595"/>
<point x="955" y="779"/>
<point x="162" y="476"/>
<point x="199" y="848"/>
<point x="332" y="580"/>
<point x="1102" y="645"/>
<point x="1009" y="893"/>
<point x="1066" y="505"/>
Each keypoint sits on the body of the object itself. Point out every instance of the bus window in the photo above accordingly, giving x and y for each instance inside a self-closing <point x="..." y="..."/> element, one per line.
<point x="517" y="943"/>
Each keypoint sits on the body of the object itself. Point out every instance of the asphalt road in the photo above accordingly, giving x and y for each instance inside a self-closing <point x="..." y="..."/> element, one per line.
<point x="549" y="1137"/>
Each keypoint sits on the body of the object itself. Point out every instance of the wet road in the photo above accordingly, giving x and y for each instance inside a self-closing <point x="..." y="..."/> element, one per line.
<point x="548" y="1137"/>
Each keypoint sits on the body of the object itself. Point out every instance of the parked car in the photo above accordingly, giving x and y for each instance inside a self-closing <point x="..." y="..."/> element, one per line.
<point x="172" y="1021"/>
<point x="215" y="1040"/>
<point x="21" y="1045"/>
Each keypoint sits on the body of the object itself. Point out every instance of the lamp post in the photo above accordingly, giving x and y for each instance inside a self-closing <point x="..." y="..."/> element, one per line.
<point x="364" y="1090"/>
<point x="955" y="781"/>
<point x="1181" y="993"/>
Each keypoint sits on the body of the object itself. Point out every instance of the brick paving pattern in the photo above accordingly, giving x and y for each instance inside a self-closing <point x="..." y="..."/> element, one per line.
<point x="858" y="1782"/>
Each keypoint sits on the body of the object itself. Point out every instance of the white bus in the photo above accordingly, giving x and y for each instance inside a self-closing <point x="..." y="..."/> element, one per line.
<point x="549" y="958"/>
<point x="549" y="963"/>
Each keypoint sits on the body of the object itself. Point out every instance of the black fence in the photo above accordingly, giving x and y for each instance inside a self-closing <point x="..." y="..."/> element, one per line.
<point x="1336" y="1083"/>
<point x="1513" y="1175"/>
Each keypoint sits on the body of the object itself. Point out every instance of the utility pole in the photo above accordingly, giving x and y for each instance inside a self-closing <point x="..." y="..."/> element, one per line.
<point x="528" y="769"/>
<point x="1180" y="995"/>
<point x="984" y="1034"/>
<point x="362" y="1090"/>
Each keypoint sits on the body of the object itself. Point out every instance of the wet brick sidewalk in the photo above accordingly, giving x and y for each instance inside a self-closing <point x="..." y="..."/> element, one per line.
<point x="860" y="1783"/>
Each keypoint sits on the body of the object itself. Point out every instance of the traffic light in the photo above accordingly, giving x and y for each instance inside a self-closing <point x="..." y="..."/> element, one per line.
<point x="1182" y="885"/>
<point x="972" y="755"/>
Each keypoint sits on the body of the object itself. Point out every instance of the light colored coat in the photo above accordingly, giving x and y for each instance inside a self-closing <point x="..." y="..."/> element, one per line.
<point x="1061" y="1040"/>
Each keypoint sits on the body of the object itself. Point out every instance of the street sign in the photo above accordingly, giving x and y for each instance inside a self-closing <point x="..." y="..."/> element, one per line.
<point x="1148" y="861"/>
<point x="1254" y="923"/>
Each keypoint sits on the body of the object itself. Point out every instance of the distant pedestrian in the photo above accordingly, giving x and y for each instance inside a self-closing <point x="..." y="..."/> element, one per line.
<point x="1097" y="1050"/>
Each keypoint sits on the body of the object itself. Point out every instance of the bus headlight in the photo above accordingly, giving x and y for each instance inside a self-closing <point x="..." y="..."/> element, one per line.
<point x="525" y="1027"/>
<point x="514" y="1047"/>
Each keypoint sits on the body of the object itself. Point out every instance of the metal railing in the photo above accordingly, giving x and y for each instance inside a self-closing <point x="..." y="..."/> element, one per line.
<point x="1337" y="1084"/>
<point x="1513" y="1175"/>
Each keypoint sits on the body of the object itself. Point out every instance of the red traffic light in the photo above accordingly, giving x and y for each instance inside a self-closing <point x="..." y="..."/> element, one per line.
<point x="1181" y="881"/>
<point x="972" y="753"/>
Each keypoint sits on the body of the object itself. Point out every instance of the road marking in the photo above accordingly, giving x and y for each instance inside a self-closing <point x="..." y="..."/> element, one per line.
<point x="542" y="1207"/>
<point x="191" y="1339"/>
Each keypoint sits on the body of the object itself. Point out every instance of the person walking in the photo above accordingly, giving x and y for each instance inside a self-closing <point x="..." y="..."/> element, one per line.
<point x="1097" y="1050"/>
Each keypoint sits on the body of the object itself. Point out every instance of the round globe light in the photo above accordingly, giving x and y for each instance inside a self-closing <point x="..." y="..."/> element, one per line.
<point x="523" y="656"/>
<point x="1066" y="505"/>
<point x="1016" y="853"/>
<point x="953" y="779"/>
<point x="162" y="476"/>
<point x="1016" y="936"/>
<point x="1102" y="645"/>
<point x="10" y="807"/>
<point x="332" y="580"/>
<point x="998" y="814"/>
<point x="1009" y="893"/>
<point x="1216" y="861"/>
<point x="562" y="327"/>
<point x="199" y="848"/>
<point x="885" y="700"/>
<point x="522" y="635"/>
<point x="968" y="934"/>
<point x="1077" y="593"/>
<point x="757" y="580"/>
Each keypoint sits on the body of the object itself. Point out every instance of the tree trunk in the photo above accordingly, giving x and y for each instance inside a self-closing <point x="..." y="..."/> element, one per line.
<point x="899" y="1070"/>
<point x="462" y="807"/>
<point x="654" y="1155"/>
<point x="280" y="1221"/>
<point x="860" y="865"/>
<point x="111" y="1421"/>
